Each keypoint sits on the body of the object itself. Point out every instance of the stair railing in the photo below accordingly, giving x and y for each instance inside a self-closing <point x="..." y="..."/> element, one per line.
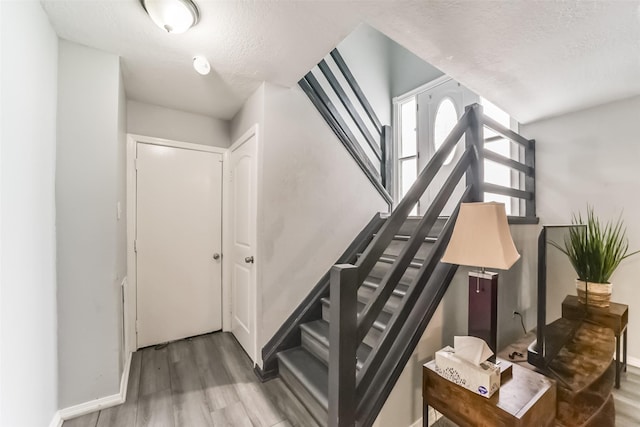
<point x="341" y="105"/>
<point x="350" y="392"/>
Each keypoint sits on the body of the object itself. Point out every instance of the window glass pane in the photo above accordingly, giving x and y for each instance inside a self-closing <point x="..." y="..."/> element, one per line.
<point x="408" y="174"/>
<point x="498" y="174"/>
<point x="501" y="146"/>
<point x="408" y="128"/>
<point x="490" y="197"/>
<point x="496" y="113"/>
<point x="446" y="119"/>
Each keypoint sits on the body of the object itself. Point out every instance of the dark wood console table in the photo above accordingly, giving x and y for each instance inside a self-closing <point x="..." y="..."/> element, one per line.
<point x="615" y="317"/>
<point x="525" y="399"/>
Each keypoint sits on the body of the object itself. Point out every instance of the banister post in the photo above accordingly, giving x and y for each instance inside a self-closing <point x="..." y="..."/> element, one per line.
<point x="530" y="181"/>
<point x="474" y="136"/>
<point x="343" y="325"/>
<point x="386" y="142"/>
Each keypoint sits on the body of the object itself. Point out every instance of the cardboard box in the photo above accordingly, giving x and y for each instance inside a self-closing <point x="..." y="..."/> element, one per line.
<point x="483" y="379"/>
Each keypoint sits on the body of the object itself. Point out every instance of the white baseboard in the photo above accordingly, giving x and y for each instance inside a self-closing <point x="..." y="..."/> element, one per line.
<point x="633" y="361"/>
<point x="57" y="420"/>
<point x="97" y="404"/>
<point x="417" y="423"/>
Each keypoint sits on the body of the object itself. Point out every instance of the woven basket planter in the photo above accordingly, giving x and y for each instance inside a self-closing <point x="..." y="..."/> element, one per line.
<point x="599" y="294"/>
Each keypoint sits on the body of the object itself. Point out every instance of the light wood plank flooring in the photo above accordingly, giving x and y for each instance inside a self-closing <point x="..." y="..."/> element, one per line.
<point x="197" y="382"/>
<point x="627" y="399"/>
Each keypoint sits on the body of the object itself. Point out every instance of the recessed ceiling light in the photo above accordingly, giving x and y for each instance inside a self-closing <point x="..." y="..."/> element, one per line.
<point x="173" y="16"/>
<point x="201" y="65"/>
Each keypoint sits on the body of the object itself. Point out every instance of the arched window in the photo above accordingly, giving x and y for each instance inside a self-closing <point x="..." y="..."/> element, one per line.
<point x="446" y="119"/>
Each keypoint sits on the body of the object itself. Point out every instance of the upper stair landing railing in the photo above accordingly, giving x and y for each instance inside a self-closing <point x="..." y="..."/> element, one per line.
<point x="356" y="398"/>
<point x="338" y="97"/>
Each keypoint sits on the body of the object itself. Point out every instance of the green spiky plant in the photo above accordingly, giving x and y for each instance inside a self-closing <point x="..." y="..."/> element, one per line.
<point x="595" y="251"/>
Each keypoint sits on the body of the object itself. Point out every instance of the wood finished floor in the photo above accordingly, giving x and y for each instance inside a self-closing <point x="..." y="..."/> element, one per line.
<point x="627" y="399"/>
<point x="197" y="382"/>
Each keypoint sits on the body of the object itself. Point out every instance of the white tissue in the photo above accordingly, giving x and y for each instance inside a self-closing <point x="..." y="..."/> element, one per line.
<point x="471" y="349"/>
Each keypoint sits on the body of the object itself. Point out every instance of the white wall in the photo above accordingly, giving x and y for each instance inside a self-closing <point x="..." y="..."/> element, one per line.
<point x="28" y="355"/>
<point x="314" y="200"/>
<point x="160" y="122"/>
<point x="591" y="156"/>
<point x="91" y="262"/>
<point x="408" y="71"/>
<point x="251" y="113"/>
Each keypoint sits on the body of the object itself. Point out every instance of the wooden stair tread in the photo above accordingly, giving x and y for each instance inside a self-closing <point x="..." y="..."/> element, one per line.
<point x="585" y="358"/>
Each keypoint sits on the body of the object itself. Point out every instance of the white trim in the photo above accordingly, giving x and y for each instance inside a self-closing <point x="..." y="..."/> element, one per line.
<point x="417" y="423"/>
<point x="176" y="144"/>
<point x="57" y="420"/>
<point x="98" y="404"/>
<point x="425" y="87"/>
<point x="129" y="322"/>
<point x="633" y="361"/>
<point x="130" y="300"/>
<point x="124" y="381"/>
<point x="227" y="244"/>
<point x="130" y="287"/>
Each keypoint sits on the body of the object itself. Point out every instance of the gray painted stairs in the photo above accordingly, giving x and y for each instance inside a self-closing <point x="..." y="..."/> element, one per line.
<point x="305" y="368"/>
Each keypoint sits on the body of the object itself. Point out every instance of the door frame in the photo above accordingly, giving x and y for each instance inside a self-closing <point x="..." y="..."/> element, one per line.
<point x="130" y="287"/>
<point x="227" y="244"/>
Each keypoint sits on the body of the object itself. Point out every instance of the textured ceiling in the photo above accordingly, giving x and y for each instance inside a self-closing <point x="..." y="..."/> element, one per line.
<point x="534" y="59"/>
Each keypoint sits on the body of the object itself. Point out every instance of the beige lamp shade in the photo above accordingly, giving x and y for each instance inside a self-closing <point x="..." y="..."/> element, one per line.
<point x="481" y="238"/>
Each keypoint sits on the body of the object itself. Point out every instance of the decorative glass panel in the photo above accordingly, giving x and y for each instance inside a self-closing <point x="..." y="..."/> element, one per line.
<point x="446" y="119"/>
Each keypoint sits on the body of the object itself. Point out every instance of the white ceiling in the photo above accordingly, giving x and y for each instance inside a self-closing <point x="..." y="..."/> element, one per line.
<point x="533" y="59"/>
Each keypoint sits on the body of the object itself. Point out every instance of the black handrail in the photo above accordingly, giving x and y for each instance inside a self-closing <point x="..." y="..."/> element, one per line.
<point x="386" y="341"/>
<point x="391" y="279"/>
<point x="347" y="329"/>
<point x="344" y="99"/>
<point x="288" y="336"/>
<point x="356" y="88"/>
<point x="370" y="257"/>
<point x="368" y="142"/>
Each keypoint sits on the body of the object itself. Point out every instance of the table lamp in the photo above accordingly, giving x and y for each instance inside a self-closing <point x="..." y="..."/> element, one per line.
<point x="481" y="238"/>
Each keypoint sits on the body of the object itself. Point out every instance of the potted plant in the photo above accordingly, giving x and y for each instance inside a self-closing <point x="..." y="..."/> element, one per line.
<point x="595" y="251"/>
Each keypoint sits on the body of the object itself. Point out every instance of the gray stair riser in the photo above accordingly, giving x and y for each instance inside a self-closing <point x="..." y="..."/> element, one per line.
<point x="365" y="293"/>
<point x="316" y="341"/>
<point x="410" y="225"/>
<point x="315" y="347"/>
<point x="300" y="391"/>
<point x="380" y="269"/>
<point x="396" y="246"/>
<point x="372" y="337"/>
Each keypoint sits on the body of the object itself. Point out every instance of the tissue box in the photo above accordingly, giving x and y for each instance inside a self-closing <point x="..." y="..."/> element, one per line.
<point x="483" y="379"/>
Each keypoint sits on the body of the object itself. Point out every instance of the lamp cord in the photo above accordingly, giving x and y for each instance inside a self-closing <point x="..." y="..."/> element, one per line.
<point x="521" y="321"/>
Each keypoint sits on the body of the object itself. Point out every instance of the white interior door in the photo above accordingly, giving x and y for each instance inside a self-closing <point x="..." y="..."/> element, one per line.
<point x="178" y="235"/>
<point x="243" y="243"/>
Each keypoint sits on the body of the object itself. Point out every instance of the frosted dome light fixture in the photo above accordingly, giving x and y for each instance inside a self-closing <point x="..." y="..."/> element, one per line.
<point x="201" y="65"/>
<point x="173" y="16"/>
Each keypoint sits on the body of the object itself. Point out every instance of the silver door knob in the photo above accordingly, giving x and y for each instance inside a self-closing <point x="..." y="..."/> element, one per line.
<point x="249" y="260"/>
<point x="216" y="256"/>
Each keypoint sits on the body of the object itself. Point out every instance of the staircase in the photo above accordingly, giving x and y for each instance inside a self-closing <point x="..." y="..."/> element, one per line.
<point x="305" y="368"/>
<point x="344" y="347"/>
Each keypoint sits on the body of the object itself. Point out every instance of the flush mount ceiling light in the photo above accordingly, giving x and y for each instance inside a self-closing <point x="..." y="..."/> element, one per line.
<point x="173" y="16"/>
<point x="201" y="64"/>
